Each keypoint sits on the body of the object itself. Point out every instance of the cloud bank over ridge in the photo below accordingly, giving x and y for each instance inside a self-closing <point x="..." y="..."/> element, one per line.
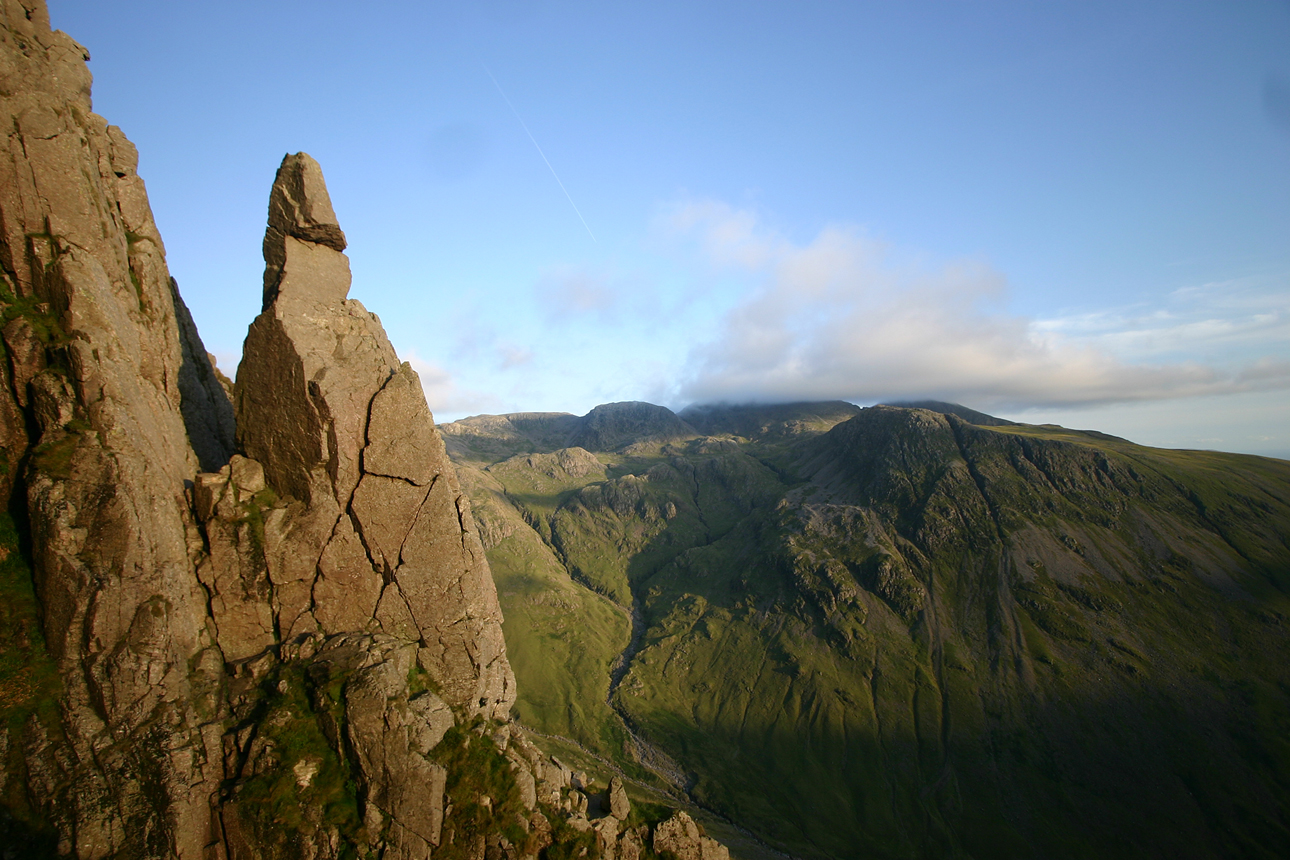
<point x="840" y="318"/>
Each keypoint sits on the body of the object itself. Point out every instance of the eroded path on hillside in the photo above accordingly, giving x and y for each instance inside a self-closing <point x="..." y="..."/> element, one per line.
<point x="649" y="755"/>
<point x="623" y="661"/>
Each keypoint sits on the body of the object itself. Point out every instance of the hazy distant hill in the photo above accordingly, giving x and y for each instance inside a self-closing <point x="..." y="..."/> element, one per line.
<point x="889" y="632"/>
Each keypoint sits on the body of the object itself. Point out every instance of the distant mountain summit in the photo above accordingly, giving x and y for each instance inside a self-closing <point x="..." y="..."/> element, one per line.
<point x="613" y="426"/>
<point x="971" y="416"/>
<point x="608" y="427"/>
<point x="786" y="420"/>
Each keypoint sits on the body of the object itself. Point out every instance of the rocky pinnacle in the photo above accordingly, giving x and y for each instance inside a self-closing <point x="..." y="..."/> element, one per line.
<point x="376" y="535"/>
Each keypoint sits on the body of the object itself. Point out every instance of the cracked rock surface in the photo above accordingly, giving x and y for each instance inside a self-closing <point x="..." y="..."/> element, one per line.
<point x="165" y="572"/>
<point x="377" y="535"/>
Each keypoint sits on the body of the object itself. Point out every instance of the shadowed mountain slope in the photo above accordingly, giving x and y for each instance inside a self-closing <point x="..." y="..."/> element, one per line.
<point x="504" y="435"/>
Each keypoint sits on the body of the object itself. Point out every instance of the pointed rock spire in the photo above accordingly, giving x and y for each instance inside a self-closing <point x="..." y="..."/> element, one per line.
<point x="380" y="537"/>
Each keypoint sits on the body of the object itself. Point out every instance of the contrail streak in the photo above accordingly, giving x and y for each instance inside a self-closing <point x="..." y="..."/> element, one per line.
<point x="541" y="153"/>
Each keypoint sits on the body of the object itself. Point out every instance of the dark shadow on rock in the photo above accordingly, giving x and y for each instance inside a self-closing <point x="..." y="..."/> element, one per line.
<point x="20" y="841"/>
<point x="205" y="400"/>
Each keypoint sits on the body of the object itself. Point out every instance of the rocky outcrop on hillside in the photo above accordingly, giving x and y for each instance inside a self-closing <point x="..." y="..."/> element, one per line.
<point x="681" y="836"/>
<point x="229" y="630"/>
<point x="380" y="536"/>
<point x="343" y="544"/>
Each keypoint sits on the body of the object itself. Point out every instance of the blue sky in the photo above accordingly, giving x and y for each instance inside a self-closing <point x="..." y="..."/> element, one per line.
<point x="1075" y="212"/>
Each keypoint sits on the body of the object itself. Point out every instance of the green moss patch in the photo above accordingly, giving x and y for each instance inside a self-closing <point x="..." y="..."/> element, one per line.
<point x="274" y="800"/>
<point x="481" y="791"/>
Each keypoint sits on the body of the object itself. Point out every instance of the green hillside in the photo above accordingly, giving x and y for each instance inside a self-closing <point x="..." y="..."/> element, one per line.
<point x="892" y="633"/>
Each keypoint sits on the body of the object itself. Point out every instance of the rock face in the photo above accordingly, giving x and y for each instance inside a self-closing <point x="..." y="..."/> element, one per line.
<point x="163" y="608"/>
<point x="227" y="632"/>
<point x="342" y="544"/>
<point x="105" y="387"/>
<point x="392" y="732"/>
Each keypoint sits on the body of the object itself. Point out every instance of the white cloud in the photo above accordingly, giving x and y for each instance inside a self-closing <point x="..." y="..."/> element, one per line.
<point x="728" y="236"/>
<point x="1249" y="318"/>
<point x="446" y="399"/>
<point x="608" y="298"/>
<point x="836" y="318"/>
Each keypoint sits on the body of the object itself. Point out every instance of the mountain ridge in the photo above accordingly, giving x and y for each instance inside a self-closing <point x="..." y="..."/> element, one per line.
<point x="939" y="610"/>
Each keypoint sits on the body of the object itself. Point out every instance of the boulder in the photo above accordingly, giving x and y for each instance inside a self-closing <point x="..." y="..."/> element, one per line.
<point x="619" y="806"/>
<point x="685" y="840"/>
<point x="300" y="206"/>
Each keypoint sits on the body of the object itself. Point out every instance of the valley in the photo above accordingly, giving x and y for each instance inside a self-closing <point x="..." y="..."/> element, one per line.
<point x="896" y="632"/>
